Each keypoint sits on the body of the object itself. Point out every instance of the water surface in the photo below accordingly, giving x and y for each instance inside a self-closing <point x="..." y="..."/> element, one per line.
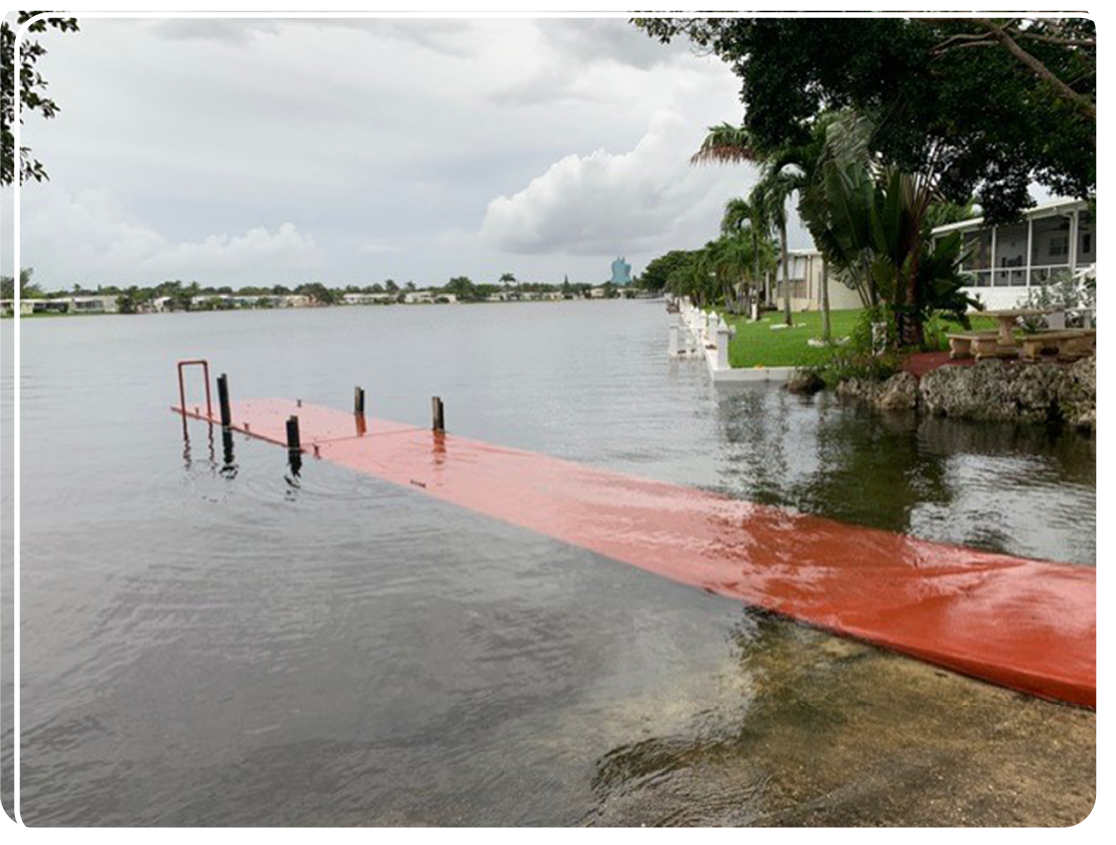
<point x="206" y="642"/>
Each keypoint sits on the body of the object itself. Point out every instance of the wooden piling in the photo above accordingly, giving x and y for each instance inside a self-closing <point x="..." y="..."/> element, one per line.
<point x="358" y="401"/>
<point x="438" y="413"/>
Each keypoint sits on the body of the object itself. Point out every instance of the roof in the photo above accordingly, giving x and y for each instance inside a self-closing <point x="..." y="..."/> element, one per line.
<point x="1044" y="209"/>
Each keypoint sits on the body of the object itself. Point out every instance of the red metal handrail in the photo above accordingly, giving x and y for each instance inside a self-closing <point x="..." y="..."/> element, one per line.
<point x="182" y="385"/>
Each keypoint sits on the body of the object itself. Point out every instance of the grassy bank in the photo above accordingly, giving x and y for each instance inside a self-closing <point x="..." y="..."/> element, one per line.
<point x="759" y="345"/>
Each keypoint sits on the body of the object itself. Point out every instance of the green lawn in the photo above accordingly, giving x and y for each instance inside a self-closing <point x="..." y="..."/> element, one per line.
<point x="757" y="344"/>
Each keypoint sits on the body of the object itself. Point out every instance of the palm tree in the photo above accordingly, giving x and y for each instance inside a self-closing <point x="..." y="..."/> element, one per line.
<point x="791" y="169"/>
<point x="771" y="193"/>
<point x="742" y="216"/>
<point x="507" y="279"/>
<point x="728" y="144"/>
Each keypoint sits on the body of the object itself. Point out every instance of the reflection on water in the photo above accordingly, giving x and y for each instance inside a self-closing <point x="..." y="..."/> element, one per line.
<point x="210" y="639"/>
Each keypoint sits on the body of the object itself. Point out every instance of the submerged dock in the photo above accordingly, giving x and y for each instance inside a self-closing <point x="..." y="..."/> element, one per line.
<point x="1024" y="624"/>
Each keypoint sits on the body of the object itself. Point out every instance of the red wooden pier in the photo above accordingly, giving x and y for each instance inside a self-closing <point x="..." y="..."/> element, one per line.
<point x="1025" y="624"/>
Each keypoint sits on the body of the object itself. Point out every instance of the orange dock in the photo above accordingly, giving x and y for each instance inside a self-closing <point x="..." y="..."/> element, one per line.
<point x="1025" y="624"/>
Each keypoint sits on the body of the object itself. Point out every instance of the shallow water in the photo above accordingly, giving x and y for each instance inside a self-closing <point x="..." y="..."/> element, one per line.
<point x="210" y="644"/>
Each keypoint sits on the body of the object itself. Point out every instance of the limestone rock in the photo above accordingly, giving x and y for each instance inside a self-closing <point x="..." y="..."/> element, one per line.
<point x="1077" y="398"/>
<point x="990" y="391"/>
<point x="863" y="389"/>
<point x="806" y="382"/>
<point x="980" y="392"/>
<point x="899" y="393"/>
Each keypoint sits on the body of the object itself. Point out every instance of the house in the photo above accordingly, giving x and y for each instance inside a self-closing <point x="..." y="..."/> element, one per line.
<point x="369" y="298"/>
<point x="805" y="275"/>
<point x="70" y="305"/>
<point x="1003" y="262"/>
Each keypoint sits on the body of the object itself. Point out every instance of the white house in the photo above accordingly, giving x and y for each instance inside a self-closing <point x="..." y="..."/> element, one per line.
<point x="369" y="298"/>
<point x="1004" y="261"/>
<point x="70" y="305"/>
<point x="805" y="275"/>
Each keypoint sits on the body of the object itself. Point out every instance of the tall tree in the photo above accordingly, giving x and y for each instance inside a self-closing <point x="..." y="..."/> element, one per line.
<point x="32" y="89"/>
<point x="953" y="96"/>
<point x="771" y="193"/>
<point x="745" y="220"/>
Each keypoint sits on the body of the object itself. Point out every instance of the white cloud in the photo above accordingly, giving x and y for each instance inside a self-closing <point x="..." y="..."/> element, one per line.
<point x="596" y="204"/>
<point x="102" y="243"/>
<point x="369" y="133"/>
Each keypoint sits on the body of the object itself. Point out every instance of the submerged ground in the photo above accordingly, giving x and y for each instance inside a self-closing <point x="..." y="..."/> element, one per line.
<point x="207" y="642"/>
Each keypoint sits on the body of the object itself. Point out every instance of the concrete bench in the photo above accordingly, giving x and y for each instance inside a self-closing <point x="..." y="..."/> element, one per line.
<point x="961" y="343"/>
<point x="1069" y="344"/>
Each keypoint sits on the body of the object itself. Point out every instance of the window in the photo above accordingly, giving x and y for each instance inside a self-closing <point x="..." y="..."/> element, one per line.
<point x="1086" y="242"/>
<point x="1011" y="245"/>
<point x="978" y="250"/>
<point x="1050" y="241"/>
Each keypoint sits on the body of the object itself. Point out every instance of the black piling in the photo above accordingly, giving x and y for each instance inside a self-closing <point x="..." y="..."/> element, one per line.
<point x="438" y="413"/>
<point x="294" y="445"/>
<point x="229" y="467"/>
<point x="223" y="400"/>
<point x="358" y="401"/>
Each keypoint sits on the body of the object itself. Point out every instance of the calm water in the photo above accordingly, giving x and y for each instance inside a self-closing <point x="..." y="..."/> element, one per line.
<point x="211" y="645"/>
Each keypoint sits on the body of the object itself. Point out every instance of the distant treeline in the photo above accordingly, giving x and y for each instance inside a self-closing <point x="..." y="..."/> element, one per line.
<point x="186" y="296"/>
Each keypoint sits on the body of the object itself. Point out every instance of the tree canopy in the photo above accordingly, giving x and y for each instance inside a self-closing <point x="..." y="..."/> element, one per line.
<point x="32" y="92"/>
<point x="991" y="105"/>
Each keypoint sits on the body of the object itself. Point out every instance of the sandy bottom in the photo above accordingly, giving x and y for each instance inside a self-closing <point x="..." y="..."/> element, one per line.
<point x="836" y="733"/>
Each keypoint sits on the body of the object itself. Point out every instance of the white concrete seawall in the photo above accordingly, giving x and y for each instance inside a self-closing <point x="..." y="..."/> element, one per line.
<point x="694" y="332"/>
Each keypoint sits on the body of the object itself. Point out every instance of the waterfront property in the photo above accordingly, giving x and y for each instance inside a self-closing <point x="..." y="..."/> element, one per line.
<point x="1005" y="261"/>
<point x="94" y="304"/>
<point x="369" y="298"/>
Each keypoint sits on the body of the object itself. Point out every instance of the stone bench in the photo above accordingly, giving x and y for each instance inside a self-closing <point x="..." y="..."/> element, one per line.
<point x="961" y="343"/>
<point x="1069" y="344"/>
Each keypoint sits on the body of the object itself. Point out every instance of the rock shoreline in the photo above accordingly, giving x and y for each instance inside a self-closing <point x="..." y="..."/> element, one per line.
<point x="987" y="391"/>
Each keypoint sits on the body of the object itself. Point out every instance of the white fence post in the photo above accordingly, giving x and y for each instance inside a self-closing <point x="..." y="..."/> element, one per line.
<point x="724" y="334"/>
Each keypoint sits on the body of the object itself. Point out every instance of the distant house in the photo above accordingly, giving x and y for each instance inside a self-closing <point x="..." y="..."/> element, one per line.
<point x="1004" y="261"/>
<point x="369" y="298"/>
<point x="805" y="275"/>
<point x="69" y="305"/>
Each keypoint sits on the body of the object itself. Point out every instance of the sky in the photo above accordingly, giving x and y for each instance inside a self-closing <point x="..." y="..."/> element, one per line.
<point x="245" y="152"/>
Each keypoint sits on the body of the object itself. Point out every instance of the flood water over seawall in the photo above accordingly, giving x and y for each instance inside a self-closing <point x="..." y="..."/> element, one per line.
<point x="207" y="643"/>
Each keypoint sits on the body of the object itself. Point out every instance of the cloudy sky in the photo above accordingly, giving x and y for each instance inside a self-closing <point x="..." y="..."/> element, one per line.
<point x="350" y="151"/>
